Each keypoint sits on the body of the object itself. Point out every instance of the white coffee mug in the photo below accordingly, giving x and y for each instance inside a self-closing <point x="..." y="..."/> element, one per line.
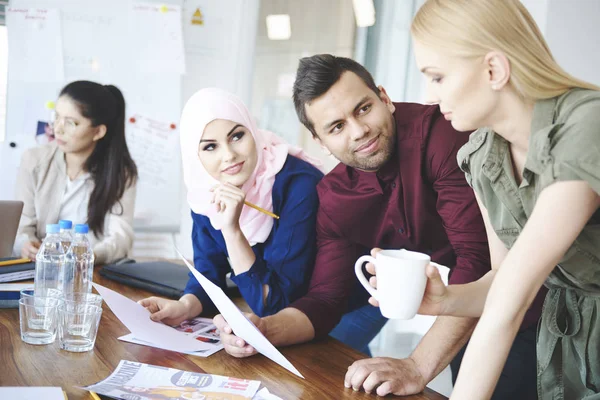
<point x="401" y="281"/>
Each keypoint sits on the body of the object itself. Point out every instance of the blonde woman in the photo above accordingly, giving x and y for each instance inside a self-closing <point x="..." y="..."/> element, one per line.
<point x="534" y="163"/>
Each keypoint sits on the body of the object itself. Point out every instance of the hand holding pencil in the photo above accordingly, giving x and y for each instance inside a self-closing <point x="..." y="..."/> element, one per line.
<point x="229" y="201"/>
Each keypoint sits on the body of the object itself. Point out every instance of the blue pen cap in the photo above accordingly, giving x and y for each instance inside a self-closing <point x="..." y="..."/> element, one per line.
<point x="52" y="228"/>
<point x="82" y="228"/>
<point x="65" y="224"/>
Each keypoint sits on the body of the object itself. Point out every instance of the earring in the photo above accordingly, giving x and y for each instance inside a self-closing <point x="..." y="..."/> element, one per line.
<point x="494" y="87"/>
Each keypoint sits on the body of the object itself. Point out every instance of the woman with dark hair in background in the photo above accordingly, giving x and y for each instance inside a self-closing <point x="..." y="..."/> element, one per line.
<point x="86" y="174"/>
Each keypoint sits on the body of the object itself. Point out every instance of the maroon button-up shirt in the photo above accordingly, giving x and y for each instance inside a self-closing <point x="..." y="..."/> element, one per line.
<point x="419" y="200"/>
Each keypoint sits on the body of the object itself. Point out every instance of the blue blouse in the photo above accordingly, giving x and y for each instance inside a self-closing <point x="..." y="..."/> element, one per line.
<point x="284" y="261"/>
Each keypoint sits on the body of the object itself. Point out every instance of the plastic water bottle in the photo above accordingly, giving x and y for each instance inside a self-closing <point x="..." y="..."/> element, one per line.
<point x="65" y="233"/>
<point x="79" y="265"/>
<point x="49" y="264"/>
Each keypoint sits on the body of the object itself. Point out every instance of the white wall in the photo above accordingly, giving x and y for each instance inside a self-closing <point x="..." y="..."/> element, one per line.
<point x="539" y="11"/>
<point x="317" y="27"/>
<point x="388" y="46"/>
<point x="569" y="26"/>
<point x="573" y="33"/>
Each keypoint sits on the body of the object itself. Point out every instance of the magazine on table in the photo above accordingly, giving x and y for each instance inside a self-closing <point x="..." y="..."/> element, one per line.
<point x="138" y="381"/>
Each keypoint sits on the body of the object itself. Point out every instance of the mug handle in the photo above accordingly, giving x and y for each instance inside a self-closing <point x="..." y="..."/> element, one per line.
<point x="361" y="277"/>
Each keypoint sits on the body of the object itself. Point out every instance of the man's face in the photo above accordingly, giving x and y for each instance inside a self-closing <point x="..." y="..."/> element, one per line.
<point x="354" y="124"/>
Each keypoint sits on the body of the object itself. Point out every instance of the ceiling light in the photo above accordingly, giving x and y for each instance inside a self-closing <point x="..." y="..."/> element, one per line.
<point x="278" y="27"/>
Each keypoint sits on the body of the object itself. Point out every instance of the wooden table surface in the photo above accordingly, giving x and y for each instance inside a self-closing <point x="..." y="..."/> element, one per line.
<point x="323" y="363"/>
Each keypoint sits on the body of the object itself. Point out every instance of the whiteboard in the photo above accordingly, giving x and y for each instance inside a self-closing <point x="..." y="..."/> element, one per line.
<point x="97" y="47"/>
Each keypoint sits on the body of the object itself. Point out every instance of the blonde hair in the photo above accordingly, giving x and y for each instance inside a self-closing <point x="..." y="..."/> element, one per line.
<point x="468" y="28"/>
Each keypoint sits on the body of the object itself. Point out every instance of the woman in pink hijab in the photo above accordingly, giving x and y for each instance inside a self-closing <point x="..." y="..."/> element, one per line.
<point x="227" y="160"/>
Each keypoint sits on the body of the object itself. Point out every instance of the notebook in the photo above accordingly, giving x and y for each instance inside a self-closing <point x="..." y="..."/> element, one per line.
<point x="16" y="272"/>
<point x="161" y="277"/>
<point x="11" y="292"/>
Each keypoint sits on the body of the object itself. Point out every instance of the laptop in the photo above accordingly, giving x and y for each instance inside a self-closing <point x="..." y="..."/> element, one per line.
<point x="10" y="214"/>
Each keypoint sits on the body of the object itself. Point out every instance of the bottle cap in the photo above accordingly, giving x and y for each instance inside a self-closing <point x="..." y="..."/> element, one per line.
<point x="65" y="224"/>
<point x="82" y="228"/>
<point x="52" y="228"/>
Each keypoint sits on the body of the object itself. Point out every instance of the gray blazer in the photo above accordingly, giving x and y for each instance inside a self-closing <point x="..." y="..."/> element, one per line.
<point x="41" y="183"/>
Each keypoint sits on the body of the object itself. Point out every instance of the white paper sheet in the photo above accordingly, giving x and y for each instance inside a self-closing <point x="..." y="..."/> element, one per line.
<point x="241" y="326"/>
<point x="200" y="353"/>
<point x="156" y="37"/>
<point x="35" y="45"/>
<point x="137" y="319"/>
<point x="32" y="393"/>
<point x="15" y="287"/>
<point x="264" y="394"/>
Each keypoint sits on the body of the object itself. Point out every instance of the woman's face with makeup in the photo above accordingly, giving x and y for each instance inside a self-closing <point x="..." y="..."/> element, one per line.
<point x="228" y="152"/>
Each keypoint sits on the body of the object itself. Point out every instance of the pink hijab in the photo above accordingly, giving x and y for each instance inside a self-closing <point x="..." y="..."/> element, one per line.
<point x="205" y="106"/>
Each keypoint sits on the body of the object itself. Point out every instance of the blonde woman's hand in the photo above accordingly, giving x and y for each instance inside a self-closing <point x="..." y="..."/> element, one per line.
<point x="436" y="292"/>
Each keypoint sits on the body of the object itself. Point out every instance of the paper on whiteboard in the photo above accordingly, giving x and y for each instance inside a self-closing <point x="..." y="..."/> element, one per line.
<point x="35" y="45"/>
<point x="156" y="37"/>
<point x="153" y="146"/>
<point x="241" y="326"/>
<point x="137" y="319"/>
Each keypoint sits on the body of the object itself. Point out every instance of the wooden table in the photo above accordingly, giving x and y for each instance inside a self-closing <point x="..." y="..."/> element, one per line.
<point x="323" y="363"/>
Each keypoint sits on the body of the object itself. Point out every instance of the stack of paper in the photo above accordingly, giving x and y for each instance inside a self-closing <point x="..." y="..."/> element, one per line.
<point x="16" y="269"/>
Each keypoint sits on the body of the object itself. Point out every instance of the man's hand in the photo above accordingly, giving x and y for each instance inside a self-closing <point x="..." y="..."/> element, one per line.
<point x="385" y="375"/>
<point x="233" y="345"/>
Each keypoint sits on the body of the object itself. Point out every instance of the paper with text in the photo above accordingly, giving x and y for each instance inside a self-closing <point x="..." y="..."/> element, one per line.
<point x="156" y="37"/>
<point x="35" y="45"/>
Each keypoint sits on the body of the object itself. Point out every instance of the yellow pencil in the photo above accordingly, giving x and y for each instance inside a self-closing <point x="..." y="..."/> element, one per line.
<point x="95" y="396"/>
<point x="65" y="394"/>
<point x="262" y="210"/>
<point x="14" y="262"/>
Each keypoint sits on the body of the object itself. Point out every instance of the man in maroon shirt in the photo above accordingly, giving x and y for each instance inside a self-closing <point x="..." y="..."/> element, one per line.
<point x="398" y="185"/>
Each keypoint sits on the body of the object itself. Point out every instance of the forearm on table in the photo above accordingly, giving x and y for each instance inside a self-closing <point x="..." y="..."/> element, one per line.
<point x="289" y="326"/>
<point x="441" y="344"/>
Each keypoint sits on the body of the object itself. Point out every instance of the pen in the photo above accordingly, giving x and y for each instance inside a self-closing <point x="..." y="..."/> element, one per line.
<point x="95" y="396"/>
<point x="262" y="210"/>
<point x="14" y="262"/>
